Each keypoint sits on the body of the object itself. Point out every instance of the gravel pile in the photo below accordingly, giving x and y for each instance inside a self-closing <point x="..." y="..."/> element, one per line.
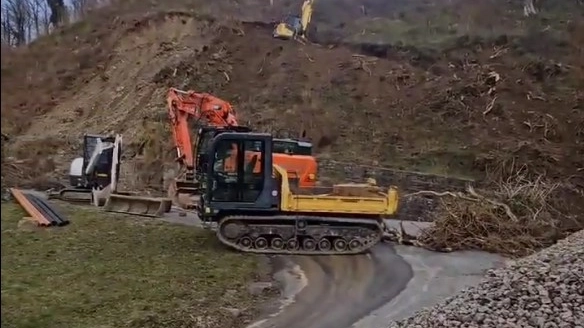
<point x="543" y="290"/>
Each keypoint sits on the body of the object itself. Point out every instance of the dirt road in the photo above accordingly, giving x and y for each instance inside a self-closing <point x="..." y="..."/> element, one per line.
<point x="331" y="291"/>
<point x="369" y="291"/>
<point x="340" y="289"/>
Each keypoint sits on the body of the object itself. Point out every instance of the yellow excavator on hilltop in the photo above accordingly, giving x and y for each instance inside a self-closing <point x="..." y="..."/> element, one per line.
<point x="293" y="26"/>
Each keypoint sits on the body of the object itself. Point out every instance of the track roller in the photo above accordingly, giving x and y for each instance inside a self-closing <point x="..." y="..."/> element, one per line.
<point x="355" y="244"/>
<point x="324" y="245"/>
<point x="245" y="242"/>
<point x="261" y="243"/>
<point x="277" y="243"/>
<point x="340" y="244"/>
<point x="292" y="244"/>
<point x="309" y="244"/>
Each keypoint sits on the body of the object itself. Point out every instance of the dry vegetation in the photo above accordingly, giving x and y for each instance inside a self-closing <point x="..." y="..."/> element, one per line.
<point x="514" y="217"/>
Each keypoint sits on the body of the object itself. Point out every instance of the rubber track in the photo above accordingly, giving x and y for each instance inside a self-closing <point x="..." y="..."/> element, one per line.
<point x="325" y="220"/>
<point x="62" y="195"/>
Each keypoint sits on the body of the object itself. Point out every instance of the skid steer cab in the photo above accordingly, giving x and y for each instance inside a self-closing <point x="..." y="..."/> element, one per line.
<point x="99" y="165"/>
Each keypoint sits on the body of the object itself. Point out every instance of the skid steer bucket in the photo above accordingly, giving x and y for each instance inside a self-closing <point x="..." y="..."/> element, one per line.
<point x="137" y="205"/>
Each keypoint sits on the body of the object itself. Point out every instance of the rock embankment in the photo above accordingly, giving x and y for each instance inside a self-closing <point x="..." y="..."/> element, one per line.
<point x="544" y="290"/>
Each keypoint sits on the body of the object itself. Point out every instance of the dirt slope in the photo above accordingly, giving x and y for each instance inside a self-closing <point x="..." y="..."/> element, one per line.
<point x="472" y="105"/>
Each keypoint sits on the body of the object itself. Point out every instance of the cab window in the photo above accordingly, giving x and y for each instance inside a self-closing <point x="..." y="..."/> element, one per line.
<point x="237" y="172"/>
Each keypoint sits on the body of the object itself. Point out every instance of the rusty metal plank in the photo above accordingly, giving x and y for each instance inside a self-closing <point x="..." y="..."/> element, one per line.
<point x="30" y="208"/>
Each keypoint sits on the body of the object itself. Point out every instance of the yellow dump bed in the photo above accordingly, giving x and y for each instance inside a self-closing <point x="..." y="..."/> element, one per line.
<point x="368" y="203"/>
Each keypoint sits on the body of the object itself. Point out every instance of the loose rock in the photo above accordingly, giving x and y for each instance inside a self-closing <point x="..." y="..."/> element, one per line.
<point x="544" y="290"/>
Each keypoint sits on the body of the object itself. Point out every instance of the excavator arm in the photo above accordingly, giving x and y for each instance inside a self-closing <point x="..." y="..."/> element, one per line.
<point x="211" y="110"/>
<point x="306" y="16"/>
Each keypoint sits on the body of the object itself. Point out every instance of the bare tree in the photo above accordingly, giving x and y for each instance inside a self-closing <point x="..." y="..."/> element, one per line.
<point x="6" y="26"/>
<point x="45" y="16"/>
<point x="16" y="21"/>
<point x="58" y="12"/>
<point x="39" y="17"/>
<point x="80" y="8"/>
<point x="529" y="7"/>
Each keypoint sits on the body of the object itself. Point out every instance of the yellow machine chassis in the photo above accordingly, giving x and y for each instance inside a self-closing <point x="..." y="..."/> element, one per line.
<point x="386" y="204"/>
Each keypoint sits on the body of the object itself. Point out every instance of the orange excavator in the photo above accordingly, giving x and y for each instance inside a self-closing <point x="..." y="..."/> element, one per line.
<point x="214" y="116"/>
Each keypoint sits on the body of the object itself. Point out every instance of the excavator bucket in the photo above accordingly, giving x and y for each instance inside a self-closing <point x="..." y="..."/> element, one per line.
<point x="184" y="194"/>
<point x="283" y="31"/>
<point x="138" y="205"/>
<point x="184" y="187"/>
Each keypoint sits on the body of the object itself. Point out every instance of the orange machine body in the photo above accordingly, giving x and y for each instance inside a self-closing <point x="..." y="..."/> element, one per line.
<point x="216" y="112"/>
<point x="301" y="169"/>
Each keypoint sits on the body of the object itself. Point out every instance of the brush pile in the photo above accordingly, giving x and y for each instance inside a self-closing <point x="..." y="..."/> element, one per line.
<point x="515" y="217"/>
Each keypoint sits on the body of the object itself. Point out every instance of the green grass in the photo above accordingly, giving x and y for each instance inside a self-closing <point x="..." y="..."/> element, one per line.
<point x="115" y="271"/>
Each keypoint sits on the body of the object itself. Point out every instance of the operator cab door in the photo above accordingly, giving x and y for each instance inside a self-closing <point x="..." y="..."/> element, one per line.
<point x="241" y="171"/>
<point x="204" y="138"/>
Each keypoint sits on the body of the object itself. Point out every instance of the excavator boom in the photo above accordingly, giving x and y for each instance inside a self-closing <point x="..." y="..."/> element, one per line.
<point x="306" y="16"/>
<point x="202" y="106"/>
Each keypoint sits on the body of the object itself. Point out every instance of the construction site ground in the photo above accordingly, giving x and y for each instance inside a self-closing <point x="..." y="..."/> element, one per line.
<point x="468" y="89"/>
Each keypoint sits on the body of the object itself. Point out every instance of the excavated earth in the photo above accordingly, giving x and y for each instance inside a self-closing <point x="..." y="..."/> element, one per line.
<point x="457" y="112"/>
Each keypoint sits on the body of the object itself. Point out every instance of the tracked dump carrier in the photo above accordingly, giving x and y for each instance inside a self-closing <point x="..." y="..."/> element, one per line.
<point x="258" y="211"/>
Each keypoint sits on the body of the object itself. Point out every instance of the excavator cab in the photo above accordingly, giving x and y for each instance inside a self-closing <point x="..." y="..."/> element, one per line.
<point x="289" y="28"/>
<point x="292" y="147"/>
<point x="296" y="150"/>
